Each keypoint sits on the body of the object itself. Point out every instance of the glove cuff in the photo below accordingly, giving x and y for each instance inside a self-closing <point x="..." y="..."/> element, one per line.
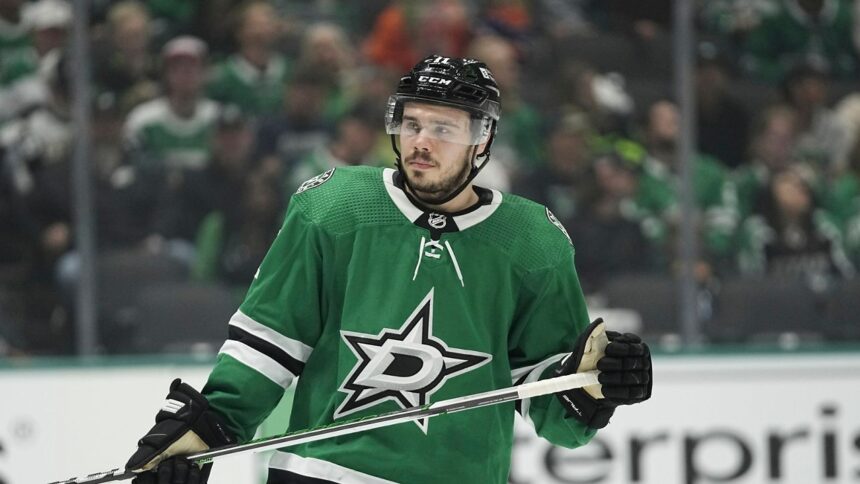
<point x="213" y="430"/>
<point x="582" y="407"/>
<point x="193" y="410"/>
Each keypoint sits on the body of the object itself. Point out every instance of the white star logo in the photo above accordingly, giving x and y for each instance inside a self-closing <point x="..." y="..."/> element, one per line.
<point x="405" y="366"/>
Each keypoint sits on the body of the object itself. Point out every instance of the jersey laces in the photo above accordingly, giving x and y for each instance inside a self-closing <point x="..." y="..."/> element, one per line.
<point x="432" y="248"/>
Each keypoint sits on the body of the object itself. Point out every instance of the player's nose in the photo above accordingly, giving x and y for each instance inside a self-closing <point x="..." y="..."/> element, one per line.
<point x="423" y="142"/>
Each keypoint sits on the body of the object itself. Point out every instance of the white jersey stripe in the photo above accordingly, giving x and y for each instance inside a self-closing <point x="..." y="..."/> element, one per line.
<point x="534" y="373"/>
<point x="320" y="469"/>
<point x="413" y="213"/>
<point x="519" y="372"/>
<point x="258" y="362"/>
<point x="399" y="198"/>
<point x="480" y="214"/>
<point x="295" y="348"/>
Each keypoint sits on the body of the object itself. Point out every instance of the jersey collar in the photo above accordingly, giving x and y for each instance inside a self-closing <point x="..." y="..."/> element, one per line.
<point x="418" y="215"/>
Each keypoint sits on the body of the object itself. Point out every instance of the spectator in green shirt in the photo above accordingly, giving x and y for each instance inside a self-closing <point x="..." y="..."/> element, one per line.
<point x="253" y="77"/>
<point x="714" y="192"/>
<point x="799" y="31"/>
<point x="125" y="67"/>
<point x="608" y="224"/>
<point x="238" y="209"/>
<point x="48" y="22"/>
<point x="174" y="131"/>
<point x="167" y="137"/>
<point x="517" y="145"/>
<point x="353" y="144"/>
<point x="17" y="54"/>
<point x="772" y="150"/>
<point x="325" y="48"/>
<point x="842" y="200"/>
<point x="822" y="138"/>
<point x="560" y="181"/>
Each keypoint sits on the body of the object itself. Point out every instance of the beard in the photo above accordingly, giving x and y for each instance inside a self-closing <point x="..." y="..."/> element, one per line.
<point x="434" y="191"/>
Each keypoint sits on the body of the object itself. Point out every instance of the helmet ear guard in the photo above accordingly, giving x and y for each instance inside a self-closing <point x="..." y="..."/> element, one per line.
<point x="487" y="128"/>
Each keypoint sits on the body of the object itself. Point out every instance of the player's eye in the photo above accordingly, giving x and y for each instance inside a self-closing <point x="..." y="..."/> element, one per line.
<point x="412" y="127"/>
<point x="442" y="131"/>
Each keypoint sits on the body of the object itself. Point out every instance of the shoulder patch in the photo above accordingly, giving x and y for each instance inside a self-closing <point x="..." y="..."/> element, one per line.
<point x="315" y="181"/>
<point x="558" y="224"/>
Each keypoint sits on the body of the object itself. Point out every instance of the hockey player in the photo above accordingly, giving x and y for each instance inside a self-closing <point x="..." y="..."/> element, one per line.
<point x="387" y="289"/>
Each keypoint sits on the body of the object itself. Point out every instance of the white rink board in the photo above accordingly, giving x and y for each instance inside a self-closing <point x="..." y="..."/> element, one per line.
<point x="57" y="424"/>
<point x="730" y="414"/>
<point x="711" y="420"/>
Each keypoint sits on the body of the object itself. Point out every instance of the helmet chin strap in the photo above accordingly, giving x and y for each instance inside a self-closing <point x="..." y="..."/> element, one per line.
<point x="472" y="174"/>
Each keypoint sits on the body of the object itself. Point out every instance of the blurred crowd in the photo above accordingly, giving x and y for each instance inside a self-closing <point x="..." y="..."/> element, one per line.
<point x="208" y="115"/>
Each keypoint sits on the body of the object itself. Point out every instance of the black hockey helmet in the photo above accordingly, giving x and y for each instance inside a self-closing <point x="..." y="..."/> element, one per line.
<point x="465" y="84"/>
<point x="461" y="83"/>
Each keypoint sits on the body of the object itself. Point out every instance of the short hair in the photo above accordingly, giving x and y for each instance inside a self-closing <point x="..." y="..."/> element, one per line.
<point x="240" y="13"/>
<point x="122" y="11"/>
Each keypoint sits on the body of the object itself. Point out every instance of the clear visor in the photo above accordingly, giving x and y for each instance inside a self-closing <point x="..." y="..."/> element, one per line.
<point x="413" y="119"/>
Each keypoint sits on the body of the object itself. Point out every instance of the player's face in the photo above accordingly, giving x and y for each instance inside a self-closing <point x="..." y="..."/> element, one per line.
<point x="435" y="150"/>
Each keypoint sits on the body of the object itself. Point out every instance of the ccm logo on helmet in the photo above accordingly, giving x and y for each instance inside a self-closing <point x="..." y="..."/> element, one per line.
<point x="434" y="80"/>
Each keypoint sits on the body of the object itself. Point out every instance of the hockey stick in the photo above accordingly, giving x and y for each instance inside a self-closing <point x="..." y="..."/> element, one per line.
<point x="519" y="392"/>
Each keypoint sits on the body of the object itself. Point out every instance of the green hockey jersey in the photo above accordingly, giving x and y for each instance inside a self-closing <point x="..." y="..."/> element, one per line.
<point x="18" y="56"/>
<point x="369" y="304"/>
<point x="157" y="136"/>
<point x="257" y="92"/>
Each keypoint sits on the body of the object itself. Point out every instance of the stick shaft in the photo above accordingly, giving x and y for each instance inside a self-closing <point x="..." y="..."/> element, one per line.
<point x="99" y="477"/>
<point x="526" y="390"/>
<point x="478" y="400"/>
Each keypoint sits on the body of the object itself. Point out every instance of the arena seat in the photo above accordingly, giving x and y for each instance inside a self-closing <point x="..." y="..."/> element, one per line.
<point x="182" y="318"/>
<point x="653" y="297"/>
<point x="767" y="310"/>
<point x="121" y="275"/>
<point x="843" y="311"/>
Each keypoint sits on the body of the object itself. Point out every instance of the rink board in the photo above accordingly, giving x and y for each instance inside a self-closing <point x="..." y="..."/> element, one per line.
<point x="729" y="418"/>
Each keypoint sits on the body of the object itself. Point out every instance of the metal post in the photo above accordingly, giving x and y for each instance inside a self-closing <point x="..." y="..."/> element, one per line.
<point x="683" y="44"/>
<point x="86" y="339"/>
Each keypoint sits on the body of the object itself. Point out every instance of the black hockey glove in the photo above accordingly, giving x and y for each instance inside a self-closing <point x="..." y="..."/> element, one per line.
<point x="624" y="362"/>
<point x="183" y="426"/>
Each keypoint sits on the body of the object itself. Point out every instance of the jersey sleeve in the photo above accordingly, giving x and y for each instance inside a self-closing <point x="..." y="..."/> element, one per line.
<point x="273" y="333"/>
<point x="552" y="313"/>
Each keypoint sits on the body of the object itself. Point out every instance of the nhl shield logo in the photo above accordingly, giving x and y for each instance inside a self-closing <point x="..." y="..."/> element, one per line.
<point x="558" y="224"/>
<point x="315" y="181"/>
<point x="437" y="220"/>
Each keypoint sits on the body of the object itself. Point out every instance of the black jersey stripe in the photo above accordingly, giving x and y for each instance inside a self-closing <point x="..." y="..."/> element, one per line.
<point x="522" y="379"/>
<point x="283" y="358"/>
<point x="278" y="476"/>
